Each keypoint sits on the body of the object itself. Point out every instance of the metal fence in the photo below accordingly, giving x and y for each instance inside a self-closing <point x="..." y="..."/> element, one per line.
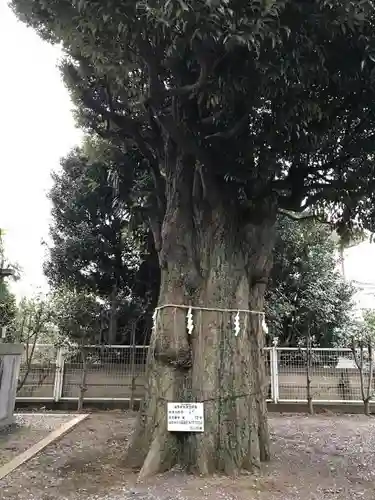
<point x="117" y="373"/>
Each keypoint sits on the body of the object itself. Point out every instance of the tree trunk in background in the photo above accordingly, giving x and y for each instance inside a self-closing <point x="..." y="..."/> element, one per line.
<point x="112" y="329"/>
<point x="209" y="259"/>
<point x="342" y="259"/>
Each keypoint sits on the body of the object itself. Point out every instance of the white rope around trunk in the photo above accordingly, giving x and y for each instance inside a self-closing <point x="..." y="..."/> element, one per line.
<point x="190" y="318"/>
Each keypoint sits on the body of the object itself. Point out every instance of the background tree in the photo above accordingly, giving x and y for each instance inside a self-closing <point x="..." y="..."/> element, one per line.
<point x="306" y="289"/>
<point x="78" y="319"/>
<point x="359" y="333"/>
<point x="7" y="298"/>
<point x="236" y="110"/>
<point x="7" y="305"/>
<point x="32" y="325"/>
<point x="93" y="248"/>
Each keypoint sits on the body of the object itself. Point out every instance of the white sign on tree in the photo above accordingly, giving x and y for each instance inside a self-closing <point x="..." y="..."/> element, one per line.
<point x="185" y="417"/>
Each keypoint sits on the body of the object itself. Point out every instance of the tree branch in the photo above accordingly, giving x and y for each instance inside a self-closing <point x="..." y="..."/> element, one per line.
<point x="131" y="128"/>
<point x="192" y="89"/>
<point x="158" y="92"/>
<point x="297" y="215"/>
<point x="184" y="139"/>
<point x="237" y="128"/>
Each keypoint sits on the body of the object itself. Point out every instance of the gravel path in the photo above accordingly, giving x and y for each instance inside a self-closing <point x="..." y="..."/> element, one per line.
<point x="27" y="430"/>
<point x="314" y="458"/>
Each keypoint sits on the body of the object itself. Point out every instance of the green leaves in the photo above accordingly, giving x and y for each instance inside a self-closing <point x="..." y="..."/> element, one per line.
<point x="267" y="96"/>
<point x="359" y="330"/>
<point x="88" y="224"/>
<point x="33" y="322"/>
<point x="7" y="299"/>
<point x="77" y="316"/>
<point x="306" y="289"/>
<point x="98" y="246"/>
<point x="7" y="305"/>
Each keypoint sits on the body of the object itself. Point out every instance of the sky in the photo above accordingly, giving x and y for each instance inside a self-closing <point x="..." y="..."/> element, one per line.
<point x="36" y="130"/>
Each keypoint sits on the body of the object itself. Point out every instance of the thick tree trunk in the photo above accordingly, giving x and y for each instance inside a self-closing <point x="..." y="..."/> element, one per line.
<point x="212" y="261"/>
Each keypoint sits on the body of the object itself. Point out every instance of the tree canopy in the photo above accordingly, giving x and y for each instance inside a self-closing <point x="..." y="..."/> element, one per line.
<point x="269" y="80"/>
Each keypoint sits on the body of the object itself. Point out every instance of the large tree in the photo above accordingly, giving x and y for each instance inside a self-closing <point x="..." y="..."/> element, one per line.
<point x="238" y="109"/>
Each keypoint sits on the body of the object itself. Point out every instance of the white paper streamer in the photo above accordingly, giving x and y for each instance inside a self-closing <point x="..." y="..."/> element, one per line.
<point x="154" y="317"/>
<point x="264" y="325"/>
<point x="189" y="321"/>
<point x="237" y="327"/>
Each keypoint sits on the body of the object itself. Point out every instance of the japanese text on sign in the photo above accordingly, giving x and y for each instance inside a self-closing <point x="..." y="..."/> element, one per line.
<point x="185" y="417"/>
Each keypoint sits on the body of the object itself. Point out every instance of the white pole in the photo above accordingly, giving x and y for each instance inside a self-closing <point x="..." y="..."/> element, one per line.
<point x="274" y="372"/>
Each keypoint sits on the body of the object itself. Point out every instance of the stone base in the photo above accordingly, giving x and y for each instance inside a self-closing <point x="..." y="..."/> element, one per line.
<point x="10" y="359"/>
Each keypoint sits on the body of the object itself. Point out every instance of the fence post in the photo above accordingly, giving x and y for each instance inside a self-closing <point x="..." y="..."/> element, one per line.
<point x="59" y="375"/>
<point x="132" y="368"/>
<point x="274" y="374"/>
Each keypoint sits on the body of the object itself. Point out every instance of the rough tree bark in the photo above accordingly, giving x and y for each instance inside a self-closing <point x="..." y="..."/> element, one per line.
<point x="211" y="257"/>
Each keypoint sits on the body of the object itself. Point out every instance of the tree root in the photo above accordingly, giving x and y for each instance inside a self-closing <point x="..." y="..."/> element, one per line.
<point x="160" y="456"/>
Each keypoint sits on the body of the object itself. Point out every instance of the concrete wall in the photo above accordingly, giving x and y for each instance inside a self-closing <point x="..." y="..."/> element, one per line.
<point x="10" y="358"/>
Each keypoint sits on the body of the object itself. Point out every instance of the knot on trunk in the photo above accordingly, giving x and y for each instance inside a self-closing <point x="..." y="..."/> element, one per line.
<point x="178" y="357"/>
<point x="258" y="276"/>
<point x="192" y="280"/>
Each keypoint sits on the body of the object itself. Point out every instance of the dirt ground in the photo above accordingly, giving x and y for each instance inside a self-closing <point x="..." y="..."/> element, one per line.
<point x="26" y="431"/>
<point x="323" y="457"/>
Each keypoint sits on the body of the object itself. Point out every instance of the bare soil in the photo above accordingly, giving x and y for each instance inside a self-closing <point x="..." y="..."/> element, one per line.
<point x="26" y="431"/>
<point x="323" y="457"/>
